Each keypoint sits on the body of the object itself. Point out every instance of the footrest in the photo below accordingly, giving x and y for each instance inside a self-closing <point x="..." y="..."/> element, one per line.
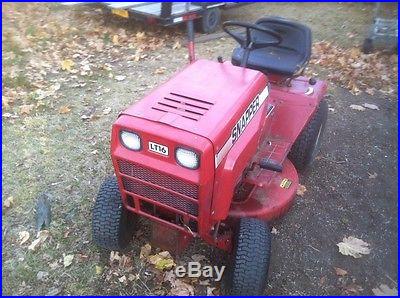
<point x="272" y="195"/>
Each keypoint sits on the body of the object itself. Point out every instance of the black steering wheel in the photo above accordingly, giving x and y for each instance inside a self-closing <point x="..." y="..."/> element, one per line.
<point x="249" y="41"/>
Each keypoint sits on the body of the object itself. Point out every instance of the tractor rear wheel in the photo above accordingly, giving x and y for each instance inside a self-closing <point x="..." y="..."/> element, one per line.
<point x="307" y="144"/>
<point x="112" y="224"/>
<point x="247" y="273"/>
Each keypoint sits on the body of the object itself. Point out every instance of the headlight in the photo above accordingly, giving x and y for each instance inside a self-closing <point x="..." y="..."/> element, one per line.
<point x="130" y="140"/>
<point x="187" y="158"/>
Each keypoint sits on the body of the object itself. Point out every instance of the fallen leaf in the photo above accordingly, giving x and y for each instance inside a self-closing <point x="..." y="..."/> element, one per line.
<point x="301" y="190"/>
<point x="53" y="291"/>
<point x="64" y="110"/>
<point x="41" y="238"/>
<point x="177" y="45"/>
<point x="205" y="282"/>
<point x="160" y="70"/>
<point x="340" y="271"/>
<point x="357" y="107"/>
<point x="371" y="106"/>
<point x="68" y="260"/>
<point x="210" y="291"/>
<point x="372" y="176"/>
<point x="99" y="270"/>
<point x="274" y="231"/>
<point x="41" y="275"/>
<point x="120" y="78"/>
<point x="122" y="279"/>
<point x="8" y="202"/>
<point x="198" y="258"/>
<point x="145" y="251"/>
<point x="384" y="290"/>
<point x="26" y="109"/>
<point x="106" y="111"/>
<point x="353" y="288"/>
<point x="9" y="115"/>
<point x="180" y="288"/>
<point x="67" y="64"/>
<point x="354" y="247"/>
<point x="162" y="260"/>
<point x="115" y="39"/>
<point x="23" y="237"/>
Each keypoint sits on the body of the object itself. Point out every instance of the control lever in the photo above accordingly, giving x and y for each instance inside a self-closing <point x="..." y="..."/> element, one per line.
<point x="271" y="165"/>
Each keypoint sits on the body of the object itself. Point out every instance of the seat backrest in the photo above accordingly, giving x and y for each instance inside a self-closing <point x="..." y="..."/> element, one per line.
<point x="295" y="36"/>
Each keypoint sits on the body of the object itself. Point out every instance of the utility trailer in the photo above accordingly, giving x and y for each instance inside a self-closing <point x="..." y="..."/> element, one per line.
<point x="207" y="15"/>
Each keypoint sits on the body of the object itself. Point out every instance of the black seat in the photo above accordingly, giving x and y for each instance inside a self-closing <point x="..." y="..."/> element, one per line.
<point x="288" y="58"/>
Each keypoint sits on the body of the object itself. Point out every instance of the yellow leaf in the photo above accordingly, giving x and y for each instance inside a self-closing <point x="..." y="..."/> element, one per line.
<point x="8" y="202"/>
<point x="99" y="270"/>
<point x="162" y="260"/>
<point x="64" y="110"/>
<point x="23" y="237"/>
<point x="26" y="109"/>
<point x="68" y="260"/>
<point x="67" y="64"/>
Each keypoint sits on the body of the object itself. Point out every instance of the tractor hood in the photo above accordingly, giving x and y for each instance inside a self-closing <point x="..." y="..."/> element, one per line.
<point x="206" y="98"/>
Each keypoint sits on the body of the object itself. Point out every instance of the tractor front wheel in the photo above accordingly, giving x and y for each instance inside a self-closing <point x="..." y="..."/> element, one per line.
<point x="307" y="144"/>
<point x="112" y="224"/>
<point x="247" y="273"/>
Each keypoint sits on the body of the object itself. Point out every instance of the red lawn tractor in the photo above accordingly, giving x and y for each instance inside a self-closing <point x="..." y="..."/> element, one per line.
<point x="214" y="152"/>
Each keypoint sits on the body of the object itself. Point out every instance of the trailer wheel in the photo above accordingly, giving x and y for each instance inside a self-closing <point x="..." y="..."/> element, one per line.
<point x="368" y="46"/>
<point x="247" y="273"/>
<point x="210" y="20"/>
<point x="306" y="147"/>
<point x="112" y="224"/>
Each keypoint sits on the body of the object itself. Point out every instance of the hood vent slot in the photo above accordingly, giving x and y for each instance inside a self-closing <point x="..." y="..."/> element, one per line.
<point x="185" y="106"/>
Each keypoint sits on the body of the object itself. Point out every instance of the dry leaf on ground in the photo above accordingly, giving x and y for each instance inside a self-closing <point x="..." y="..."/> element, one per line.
<point x="67" y="64"/>
<point x="8" y="202"/>
<point x="384" y="290"/>
<point x="372" y="176"/>
<point x="357" y="107"/>
<point x="340" y="271"/>
<point x="210" y="291"/>
<point x="120" y="78"/>
<point x="371" y="106"/>
<point x="26" y="109"/>
<point x="64" y="110"/>
<point x="352" y="246"/>
<point x="301" y="190"/>
<point x="160" y="70"/>
<point x="68" y="260"/>
<point x="23" y="237"/>
<point x="180" y="288"/>
<point x="162" y="260"/>
<point x="106" y="111"/>
<point x="145" y="251"/>
<point x="198" y="257"/>
<point x="41" y="238"/>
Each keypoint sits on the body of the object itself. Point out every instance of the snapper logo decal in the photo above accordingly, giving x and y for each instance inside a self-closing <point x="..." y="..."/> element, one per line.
<point x="241" y="125"/>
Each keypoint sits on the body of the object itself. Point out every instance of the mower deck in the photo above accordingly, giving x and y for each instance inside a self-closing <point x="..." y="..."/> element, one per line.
<point x="273" y="192"/>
